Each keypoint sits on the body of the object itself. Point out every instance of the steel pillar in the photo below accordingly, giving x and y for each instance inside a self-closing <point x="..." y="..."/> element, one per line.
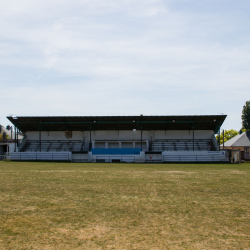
<point x="90" y="141"/>
<point x="141" y="136"/>
<point x="40" y="142"/>
<point x="193" y="136"/>
<point x="17" y="133"/>
<point x="223" y="139"/>
<point x="15" y="138"/>
<point x="219" y="139"/>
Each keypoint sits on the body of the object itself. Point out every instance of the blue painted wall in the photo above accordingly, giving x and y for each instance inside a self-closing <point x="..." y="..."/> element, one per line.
<point x="116" y="151"/>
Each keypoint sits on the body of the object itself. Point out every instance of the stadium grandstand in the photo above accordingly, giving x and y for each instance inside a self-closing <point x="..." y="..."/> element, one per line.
<point x="119" y="138"/>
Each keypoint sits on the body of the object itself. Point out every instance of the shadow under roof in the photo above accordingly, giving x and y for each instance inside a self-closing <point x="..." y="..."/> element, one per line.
<point x="84" y="123"/>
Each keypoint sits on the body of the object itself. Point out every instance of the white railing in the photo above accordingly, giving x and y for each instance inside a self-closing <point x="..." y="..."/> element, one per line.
<point x="195" y="158"/>
<point x="40" y="156"/>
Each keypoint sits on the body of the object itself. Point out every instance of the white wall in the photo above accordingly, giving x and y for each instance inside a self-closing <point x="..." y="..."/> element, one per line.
<point x="153" y="157"/>
<point x="121" y="135"/>
<point x="136" y="158"/>
<point x="11" y="147"/>
<point x="83" y="157"/>
<point x="182" y="134"/>
<point x="118" y="135"/>
<point x="55" y="135"/>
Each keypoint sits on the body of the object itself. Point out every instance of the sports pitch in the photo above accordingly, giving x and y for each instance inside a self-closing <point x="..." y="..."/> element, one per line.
<point x="124" y="206"/>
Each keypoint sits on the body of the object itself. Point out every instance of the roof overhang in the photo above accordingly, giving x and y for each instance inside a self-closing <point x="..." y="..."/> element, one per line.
<point x="85" y="123"/>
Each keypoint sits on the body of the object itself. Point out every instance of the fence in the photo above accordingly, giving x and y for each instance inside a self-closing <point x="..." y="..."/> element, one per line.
<point x="194" y="158"/>
<point x="40" y="156"/>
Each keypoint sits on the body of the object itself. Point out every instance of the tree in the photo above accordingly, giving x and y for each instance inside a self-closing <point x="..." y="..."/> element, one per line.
<point x="228" y="134"/>
<point x="1" y="137"/>
<point x="246" y="116"/>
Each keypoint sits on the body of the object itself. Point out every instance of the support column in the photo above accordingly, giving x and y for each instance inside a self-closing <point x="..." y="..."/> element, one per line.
<point x="141" y="136"/>
<point x="223" y="139"/>
<point x="90" y="142"/>
<point x="193" y="136"/>
<point x="120" y="144"/>
<point x="106" y="144"/>
<point x="40" y="142"/>
<point x="18" y="132"/>
<point x="219" y="139"/>
<point x="15" y="139"/>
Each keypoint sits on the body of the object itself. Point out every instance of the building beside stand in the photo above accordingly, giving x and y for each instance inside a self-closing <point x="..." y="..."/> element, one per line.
<point x="239" y="143"/>
<point x="7" y="143"/>
<point x="119" y="138"/>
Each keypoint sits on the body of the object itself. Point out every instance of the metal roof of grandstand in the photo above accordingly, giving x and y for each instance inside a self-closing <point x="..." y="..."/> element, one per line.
<point x="85" y="123"/>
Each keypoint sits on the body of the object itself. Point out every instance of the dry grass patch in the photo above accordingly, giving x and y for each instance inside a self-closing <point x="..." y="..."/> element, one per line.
<point x="124" y="206"/>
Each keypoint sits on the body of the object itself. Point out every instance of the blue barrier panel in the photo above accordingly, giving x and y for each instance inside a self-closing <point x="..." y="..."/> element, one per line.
<point x="116" y="151"/>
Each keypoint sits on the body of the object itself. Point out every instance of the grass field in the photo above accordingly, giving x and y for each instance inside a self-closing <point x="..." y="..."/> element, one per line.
<point x="124" y="206"/>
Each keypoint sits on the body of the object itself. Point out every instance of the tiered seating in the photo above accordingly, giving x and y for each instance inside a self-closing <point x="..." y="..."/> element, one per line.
<point x="204" y="145"/>
<point x="181" y="145"/>
<point x="31" y="147"/>
<point x="190" y="145"/>
<point x="53" y="146"/>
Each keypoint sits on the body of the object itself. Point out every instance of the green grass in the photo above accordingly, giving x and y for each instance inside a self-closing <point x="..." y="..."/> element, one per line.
<point x="124" y="206"/>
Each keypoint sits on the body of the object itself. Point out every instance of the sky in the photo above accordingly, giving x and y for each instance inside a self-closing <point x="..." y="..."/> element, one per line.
<point x="126" y="57"/>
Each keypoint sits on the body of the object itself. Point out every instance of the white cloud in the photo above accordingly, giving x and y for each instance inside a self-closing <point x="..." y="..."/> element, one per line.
<point x="122" y="57"/>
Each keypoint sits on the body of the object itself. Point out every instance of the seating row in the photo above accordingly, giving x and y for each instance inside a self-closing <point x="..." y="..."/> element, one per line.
<point x="53" y="146"/>
<point x="178" y="145"/>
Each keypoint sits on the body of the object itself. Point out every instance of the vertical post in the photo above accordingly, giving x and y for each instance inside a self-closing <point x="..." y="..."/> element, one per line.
<point x="15" y="138"/>
<point x="223" y="139"/>
<point x="193" y="136"/>
<point x="219" y="139"/>
<point x="141" y="136"/>
<point x="17" y="142"/>
<point x="90" y="142"/>
<point x="219" y="136"/>
<point x="40" y="143"/>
